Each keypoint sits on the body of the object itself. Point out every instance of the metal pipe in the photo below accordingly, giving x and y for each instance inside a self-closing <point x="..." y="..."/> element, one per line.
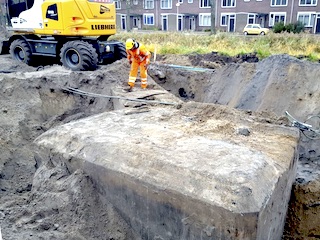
<point x="77" y="91"/>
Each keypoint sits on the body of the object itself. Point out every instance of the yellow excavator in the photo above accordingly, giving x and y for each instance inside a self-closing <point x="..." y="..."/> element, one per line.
<point x="74" y="31"/>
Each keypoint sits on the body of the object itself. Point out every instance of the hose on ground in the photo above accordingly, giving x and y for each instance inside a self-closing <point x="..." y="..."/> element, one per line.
<point x="83" y="93"/>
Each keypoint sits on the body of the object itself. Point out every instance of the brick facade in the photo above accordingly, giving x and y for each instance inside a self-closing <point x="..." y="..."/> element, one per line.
<point x="230" y="15"/>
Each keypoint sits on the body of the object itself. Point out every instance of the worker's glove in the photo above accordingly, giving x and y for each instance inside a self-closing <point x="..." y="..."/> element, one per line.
<point x="130" y="62"/>
<point x="147" y="64"/>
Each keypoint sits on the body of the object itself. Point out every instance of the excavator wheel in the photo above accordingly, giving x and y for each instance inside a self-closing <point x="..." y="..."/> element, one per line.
<point x="79" y="56"/>
<point x="121" y="51"/>
<point x="21" y="51"/>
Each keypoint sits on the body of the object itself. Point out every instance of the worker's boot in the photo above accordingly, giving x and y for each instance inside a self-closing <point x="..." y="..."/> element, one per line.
<point x="143" y="86"/>
<point x="131" y="85"/>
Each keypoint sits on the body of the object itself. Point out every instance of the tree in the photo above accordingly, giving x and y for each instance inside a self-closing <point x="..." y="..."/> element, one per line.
<point x="128" y="8"/>
<point x="213" y="16"/>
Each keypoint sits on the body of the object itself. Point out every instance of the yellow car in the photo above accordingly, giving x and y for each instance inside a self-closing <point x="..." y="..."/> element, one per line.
<point x="255" y="29"/>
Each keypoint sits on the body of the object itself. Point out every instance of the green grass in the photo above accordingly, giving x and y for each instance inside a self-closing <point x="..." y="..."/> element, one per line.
<point x="303" y="44"/>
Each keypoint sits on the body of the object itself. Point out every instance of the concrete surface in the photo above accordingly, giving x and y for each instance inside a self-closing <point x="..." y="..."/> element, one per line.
<point x="187" y="173"/>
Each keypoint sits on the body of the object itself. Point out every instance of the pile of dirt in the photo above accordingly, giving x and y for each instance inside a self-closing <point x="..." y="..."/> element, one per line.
<point x="43" y="201"/>
<point x="211" y="60"/>
<point x="46" y="202"/>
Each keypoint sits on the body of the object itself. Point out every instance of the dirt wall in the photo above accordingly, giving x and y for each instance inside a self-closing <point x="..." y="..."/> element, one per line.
<point x="48" y="205"/>
<point x="272" y="86"/>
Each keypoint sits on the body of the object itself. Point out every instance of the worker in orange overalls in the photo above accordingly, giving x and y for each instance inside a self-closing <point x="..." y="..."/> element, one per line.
<point x="138" y="56"/>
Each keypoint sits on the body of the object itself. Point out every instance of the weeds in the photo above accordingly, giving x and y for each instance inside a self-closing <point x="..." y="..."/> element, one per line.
<point x="302" y="44"/>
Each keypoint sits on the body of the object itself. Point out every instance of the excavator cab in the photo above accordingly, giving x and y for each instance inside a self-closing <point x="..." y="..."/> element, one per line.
<point x="16" y="7"/>
<point x="30" y="18"/>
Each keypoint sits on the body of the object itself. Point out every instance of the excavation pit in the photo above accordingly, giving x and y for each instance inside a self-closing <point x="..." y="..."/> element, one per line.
<point x="34" y="194"/>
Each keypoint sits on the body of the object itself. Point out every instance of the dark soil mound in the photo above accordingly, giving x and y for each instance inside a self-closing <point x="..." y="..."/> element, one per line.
<point x="213" y="59"/>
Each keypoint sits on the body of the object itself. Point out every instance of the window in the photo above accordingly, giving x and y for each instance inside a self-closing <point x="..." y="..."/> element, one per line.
<point x="148" y="19"/>
<point x="135" y="2"/>
<point x="228" y="3"/>
<point x="277" y="17"/>
<point x="278" y="2"/>
<point x="225" y="18"/>
<point x="190" y="1"/>
<point x="308" y="3"/>
<point x="180" y="1"/>
<point x="52" y="12"/>
<point x="251" y="18"/>
<point x="149" y="4"/>
<point x="123" y="22"/>
<point x="117" y="4"/>
<point x="166" y="4"/>
<point x="307" y="18"/>
<point x="204" y="19"/>
<point x="204" y="3"/>
<point x="223" y="21"/>
<point x="164" y="22"/>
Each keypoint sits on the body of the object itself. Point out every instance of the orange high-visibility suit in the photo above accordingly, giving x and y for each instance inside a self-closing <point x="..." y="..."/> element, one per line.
<point x="138" y="57"/>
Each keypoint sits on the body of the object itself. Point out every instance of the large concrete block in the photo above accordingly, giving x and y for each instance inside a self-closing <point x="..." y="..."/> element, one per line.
<point x="199" y="172"/>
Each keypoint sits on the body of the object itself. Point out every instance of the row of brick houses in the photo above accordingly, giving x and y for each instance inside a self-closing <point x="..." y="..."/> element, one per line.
<point x="229" y="15"/>
<point x="195" y="15"/>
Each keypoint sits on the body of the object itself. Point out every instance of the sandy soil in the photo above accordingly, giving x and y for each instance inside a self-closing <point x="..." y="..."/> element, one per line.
<point x="277" y="84"/>
<point x="46" y="202"/>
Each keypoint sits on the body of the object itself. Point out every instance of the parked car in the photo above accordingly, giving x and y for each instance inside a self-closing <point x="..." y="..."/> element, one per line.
<point x="255" y="29"/>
